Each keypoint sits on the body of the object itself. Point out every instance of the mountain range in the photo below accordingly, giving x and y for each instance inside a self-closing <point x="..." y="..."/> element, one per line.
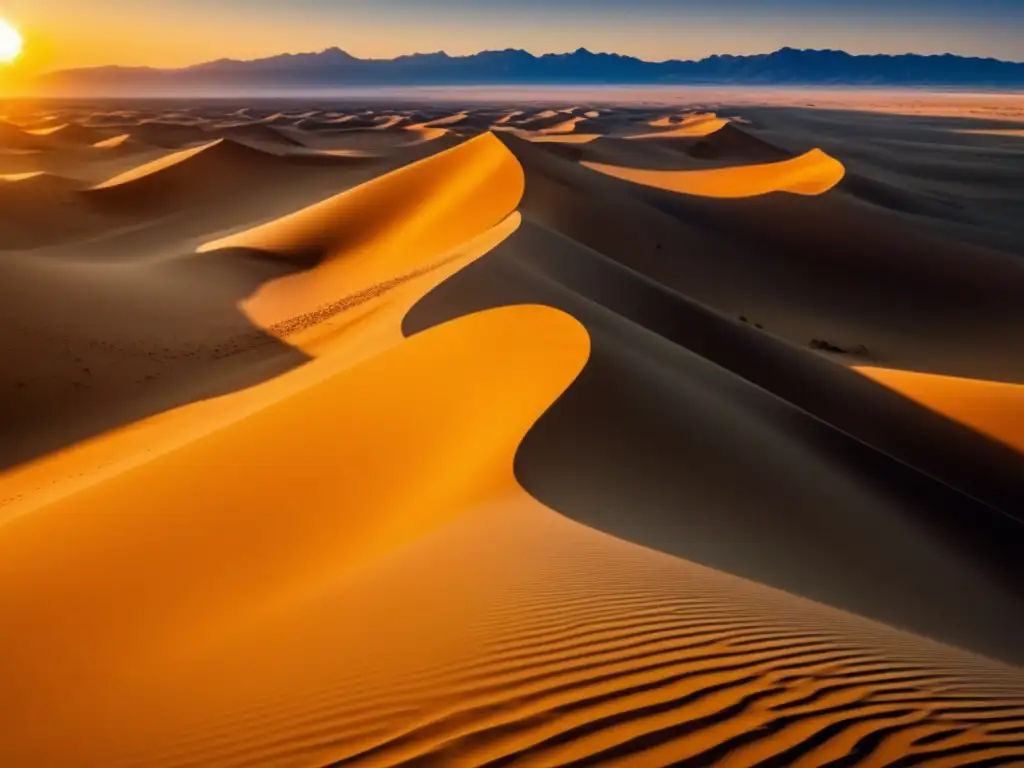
<point x="336" y="68"/>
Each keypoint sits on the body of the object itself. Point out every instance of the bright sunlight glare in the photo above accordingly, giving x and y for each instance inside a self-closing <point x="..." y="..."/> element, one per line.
<point x="10" y="42"/>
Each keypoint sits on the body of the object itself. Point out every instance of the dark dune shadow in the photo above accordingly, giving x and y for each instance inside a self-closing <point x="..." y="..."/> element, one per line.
<point x="81" y="357"/>
<point x="804" y="267"/>
<point x="966" y="185"/>
<point x="662" y="444"/>
<point x="99" y="335"/>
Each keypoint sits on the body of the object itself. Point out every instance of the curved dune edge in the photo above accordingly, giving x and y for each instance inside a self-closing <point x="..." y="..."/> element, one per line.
<point x="14" y="178"/>
<point x="993" y="408"/>
<point x="404" y="221"/>
<point x="568" y="126"/>
<point x="426" y="134"/>
<point x="539" y="137"/>
<point x="812" y="173"/>
<point x="46" y="131"/>
<point x="688" y="129"/>
<point x="268" y="537"/>
<point x="113" y="142"/>
<point x="507" y="117"/>
<point x="155" y="166"/>
<point x="439" y="122"/>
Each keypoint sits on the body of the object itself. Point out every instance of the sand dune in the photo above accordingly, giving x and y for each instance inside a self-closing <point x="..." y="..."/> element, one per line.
<point x="382" y="215"/>
<point x="206" y="171"/>
<point x="351" y="436"/>
<point x="69" y="133"/>
<point x="810" y="174"/>
<point x="12" y="137"/>
<point x="438" y="122"/>
<point x="114" y="142"/>
<point x="686" y="128"/>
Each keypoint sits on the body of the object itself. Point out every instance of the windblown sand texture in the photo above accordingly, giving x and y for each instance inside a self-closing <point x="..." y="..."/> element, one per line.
<point x="492" y="435"/>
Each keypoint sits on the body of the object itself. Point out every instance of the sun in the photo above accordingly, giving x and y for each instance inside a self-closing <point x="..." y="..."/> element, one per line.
<point x="10" y="42"/>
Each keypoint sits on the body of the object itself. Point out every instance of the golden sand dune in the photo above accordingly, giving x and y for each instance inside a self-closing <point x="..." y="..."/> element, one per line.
<point x="561" y="135"/>
<point x="69" y="133"/>
<point x="219" y="167"/>
<point x="993" y="408"/>
<point x="372" y="139"/>
<point x="13" y="137"/>
<point x="508" y="117"/>
<point x="686" y="128"/>
<point x="169" y="161"/>
<point x="567" y="126"/>
<point x="13" y="177"/>
<point x="439" y="122"/>
<point x="439" y="203"/>
<point x="114" y="142"/>
<point x="813" y="173"/>
<point x="37" y="181"/>
<point x="384" y="479"/>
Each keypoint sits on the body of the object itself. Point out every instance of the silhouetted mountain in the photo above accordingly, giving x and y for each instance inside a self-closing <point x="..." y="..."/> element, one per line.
<point x="336" y="68"/>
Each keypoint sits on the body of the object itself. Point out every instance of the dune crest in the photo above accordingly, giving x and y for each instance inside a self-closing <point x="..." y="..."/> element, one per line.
<point x="401" y="222"/>
<point x="156" y="166"/>
<point x="689" y="128"/>
<point x="813" y="173"/>
<point x="113" y="142"/>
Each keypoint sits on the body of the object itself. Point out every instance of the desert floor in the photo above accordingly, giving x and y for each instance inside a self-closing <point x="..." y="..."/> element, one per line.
<point x="494" y="434"/>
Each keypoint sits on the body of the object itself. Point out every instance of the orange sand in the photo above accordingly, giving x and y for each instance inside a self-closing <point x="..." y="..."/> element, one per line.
<point x="993" y="408"/>
<point x="813" y="173"/>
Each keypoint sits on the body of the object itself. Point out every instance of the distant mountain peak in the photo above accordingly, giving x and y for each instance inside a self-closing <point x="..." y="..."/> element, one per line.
<point x="334" y="67"/>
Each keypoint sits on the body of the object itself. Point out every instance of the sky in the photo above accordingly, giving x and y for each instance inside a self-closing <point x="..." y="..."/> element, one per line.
<point x="63" y="34"/>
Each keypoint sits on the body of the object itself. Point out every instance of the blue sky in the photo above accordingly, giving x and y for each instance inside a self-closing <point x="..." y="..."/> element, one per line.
<point x="169" y="33"/>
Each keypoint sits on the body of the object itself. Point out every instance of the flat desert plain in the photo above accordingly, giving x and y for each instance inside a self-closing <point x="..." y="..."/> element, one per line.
<point x="511" y="434"/>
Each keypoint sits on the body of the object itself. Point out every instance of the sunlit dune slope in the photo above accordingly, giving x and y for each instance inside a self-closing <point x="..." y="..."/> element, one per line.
<point x="438" y="122"/>
<point x="220" y="155"/>
<point x="689" y="128"/>
<point x="69" y="133"/>
<point x="568" y="126"/>
<point x="993" y="408"/>
<point x="365" y="237"/>
<point x="250" y="571"/>
<point x="217" y="170"/>
<point x="810" y="174"/>
<point x="15" y="137"/>
<point x="113" y="142"/>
